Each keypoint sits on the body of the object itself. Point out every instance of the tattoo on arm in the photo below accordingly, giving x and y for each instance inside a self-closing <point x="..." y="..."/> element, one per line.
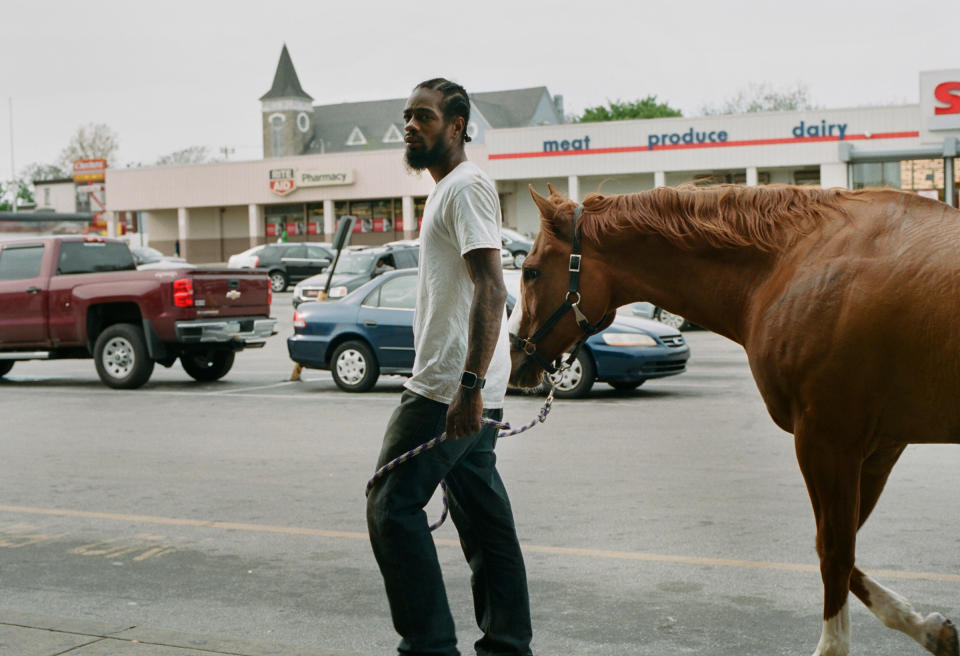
<point x="486" y="311"/>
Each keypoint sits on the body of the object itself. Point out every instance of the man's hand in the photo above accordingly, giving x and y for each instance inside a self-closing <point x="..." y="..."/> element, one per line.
<point x="463" y="415"/>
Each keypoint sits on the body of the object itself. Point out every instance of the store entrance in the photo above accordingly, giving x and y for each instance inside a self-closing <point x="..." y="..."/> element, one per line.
<point x="925" y="177"/>
<point x="285" y="222"/>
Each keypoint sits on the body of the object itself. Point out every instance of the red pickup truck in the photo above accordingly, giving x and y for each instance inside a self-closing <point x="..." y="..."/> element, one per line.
<point x="82" y="297"/>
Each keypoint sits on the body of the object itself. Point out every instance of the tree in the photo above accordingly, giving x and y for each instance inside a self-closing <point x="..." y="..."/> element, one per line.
<point x="191" y="155"/>
<point x="90" y="141"/>
<point x="38" y="172"/>
<point x="622" y="111"/>
<point x="24" y="195"/>
<point x="763" y="97"/>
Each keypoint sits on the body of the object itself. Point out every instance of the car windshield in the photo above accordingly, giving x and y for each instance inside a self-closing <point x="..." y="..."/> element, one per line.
<point x="355" y="263"/>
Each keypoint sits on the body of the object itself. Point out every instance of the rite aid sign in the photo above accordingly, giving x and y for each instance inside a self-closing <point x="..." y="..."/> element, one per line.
<point x="939" y="105"/>
<point x="284" y="181"/>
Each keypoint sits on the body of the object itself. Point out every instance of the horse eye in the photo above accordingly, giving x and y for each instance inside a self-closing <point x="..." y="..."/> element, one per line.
<point x="530" y="274"/>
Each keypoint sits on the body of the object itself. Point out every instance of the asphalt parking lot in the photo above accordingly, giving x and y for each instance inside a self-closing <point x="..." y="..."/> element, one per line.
<point x="671" y="519"/>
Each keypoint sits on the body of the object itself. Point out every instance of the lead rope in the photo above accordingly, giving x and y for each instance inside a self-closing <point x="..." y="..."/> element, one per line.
<point x="505" y="431"/>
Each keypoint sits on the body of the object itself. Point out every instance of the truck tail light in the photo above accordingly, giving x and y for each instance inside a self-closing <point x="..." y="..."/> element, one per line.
<point x="183" y="292"/>
<point x="269" y="294"/>
<point x="299" y="321"/>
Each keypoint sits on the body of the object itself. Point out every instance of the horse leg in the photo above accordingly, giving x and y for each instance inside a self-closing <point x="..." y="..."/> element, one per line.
<point x="832" y="475"/>
<point x="935" y="632"/>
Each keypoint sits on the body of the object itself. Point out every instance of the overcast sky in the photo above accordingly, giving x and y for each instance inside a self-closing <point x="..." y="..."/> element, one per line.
<point x="169" y="75"/>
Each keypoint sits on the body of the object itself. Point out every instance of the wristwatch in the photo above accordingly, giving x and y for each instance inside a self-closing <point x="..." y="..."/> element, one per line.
<point x="471" y="380"/>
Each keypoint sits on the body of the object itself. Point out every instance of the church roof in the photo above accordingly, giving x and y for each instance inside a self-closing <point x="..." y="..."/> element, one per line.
<point x="336" y="124"/>
<point x="286" y="84"/>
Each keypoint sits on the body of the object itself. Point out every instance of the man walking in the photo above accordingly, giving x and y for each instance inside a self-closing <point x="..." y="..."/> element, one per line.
<point x="460" y="372"/>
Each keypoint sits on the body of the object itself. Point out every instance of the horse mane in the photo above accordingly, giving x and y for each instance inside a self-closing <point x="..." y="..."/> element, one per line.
<point x="726" y="216"/>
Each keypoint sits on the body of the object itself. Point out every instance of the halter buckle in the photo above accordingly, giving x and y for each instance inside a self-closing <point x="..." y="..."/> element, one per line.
<point x="528" y="347"/>
<point x="574" y="263"/>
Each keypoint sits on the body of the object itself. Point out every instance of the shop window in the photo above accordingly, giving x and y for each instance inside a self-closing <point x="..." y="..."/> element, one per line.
<point x="732" y="177"/>
<point x="876" y="174"/>
<point x="363" y="210"/>
<point x="284" y="217"/>
<point x="418" y="205"/>
<point x="383" y="216"/>
<point x="807" y="177"/>
<point x="315" y="219"/>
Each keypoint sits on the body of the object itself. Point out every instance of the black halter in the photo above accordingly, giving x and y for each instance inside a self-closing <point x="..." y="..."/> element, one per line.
<point x="529" y="346"/>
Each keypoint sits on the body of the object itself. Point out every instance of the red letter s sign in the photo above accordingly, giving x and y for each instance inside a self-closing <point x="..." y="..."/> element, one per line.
<point x="949" y="94"/>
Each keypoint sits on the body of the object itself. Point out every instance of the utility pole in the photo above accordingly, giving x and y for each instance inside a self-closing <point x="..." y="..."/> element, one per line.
<point x="13" y="174"/>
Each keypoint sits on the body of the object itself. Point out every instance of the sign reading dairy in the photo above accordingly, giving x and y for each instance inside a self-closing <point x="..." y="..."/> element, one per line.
<point x="939" y="105"/>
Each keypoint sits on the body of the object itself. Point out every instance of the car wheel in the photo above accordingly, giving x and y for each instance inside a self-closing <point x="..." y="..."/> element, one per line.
<point x="670" y="319"/>
<point x="354" y="367"/>
<point x="278" y="281"/>
<point x="575" y="382"/>
<point x="121" y="358"/>
<point x="207" y="366"/>
<point x="5" y="367"/>
<point x="627" y="385"/>
<point x="518" y="259"/>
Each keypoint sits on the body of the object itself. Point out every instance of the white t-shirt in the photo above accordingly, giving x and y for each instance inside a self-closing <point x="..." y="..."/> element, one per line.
<point x="462" y="214"/>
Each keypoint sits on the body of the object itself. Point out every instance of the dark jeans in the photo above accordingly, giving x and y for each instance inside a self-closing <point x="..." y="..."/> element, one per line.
<point x="480" y="510"/>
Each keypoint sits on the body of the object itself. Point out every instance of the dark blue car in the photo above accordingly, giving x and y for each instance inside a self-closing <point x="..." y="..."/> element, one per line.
<point x="370" y="332"/>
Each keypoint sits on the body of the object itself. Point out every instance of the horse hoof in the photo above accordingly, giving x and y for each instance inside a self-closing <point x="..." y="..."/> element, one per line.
<point x="941" y="636"/>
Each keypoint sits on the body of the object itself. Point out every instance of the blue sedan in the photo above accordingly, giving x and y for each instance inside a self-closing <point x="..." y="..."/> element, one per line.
<point x="370" y="332"/>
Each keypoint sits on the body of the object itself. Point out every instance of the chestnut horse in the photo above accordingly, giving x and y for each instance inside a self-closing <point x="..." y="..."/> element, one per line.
<point x="846" y="303"/>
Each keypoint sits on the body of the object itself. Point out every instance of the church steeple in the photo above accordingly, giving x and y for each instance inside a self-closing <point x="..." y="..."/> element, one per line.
<point x="287" y="112"/>
<point x="286" y="84"/>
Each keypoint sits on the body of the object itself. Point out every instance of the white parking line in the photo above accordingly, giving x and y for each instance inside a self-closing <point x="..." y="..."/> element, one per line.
<point x="249" y="389"/>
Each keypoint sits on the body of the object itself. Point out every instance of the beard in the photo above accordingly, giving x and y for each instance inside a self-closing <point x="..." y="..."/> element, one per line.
<point x="424" y="159"/>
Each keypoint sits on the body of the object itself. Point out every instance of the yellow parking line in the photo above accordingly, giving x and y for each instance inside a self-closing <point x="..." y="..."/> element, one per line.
<point x="528" y="548"/>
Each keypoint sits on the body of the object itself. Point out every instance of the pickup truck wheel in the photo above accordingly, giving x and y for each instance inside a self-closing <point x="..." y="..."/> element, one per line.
<point x="354" y="367"/>
<point x="278" y="281"/>
<point x="207" y="366"/>
<point x="120" y="354"/>
<point x="5" y="367"/>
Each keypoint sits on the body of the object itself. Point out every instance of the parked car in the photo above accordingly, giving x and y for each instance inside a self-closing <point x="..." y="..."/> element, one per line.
<point x="356" y="267"/>
<point x="83" y="297"/>
<point x="245" y="259"/>
<point x="370" y="332"/>
<point x="517" y="244"/>
<point x="151" y="258"/>
<point x="291" y="262"/>
<point x="651" y="311"/>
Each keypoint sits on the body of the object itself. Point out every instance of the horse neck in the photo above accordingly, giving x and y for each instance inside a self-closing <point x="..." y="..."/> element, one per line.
<point x="709" y="286"/>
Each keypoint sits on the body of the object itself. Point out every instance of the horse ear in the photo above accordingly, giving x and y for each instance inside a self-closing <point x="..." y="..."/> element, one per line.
<point x="553" y="190"/>
<point x="547" y="209"/>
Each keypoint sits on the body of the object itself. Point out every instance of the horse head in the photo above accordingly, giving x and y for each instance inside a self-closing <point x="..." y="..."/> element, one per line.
<point x="564" y="289"/>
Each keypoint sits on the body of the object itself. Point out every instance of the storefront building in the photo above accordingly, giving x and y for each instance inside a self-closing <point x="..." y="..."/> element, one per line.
<point x="309" y="180"/>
